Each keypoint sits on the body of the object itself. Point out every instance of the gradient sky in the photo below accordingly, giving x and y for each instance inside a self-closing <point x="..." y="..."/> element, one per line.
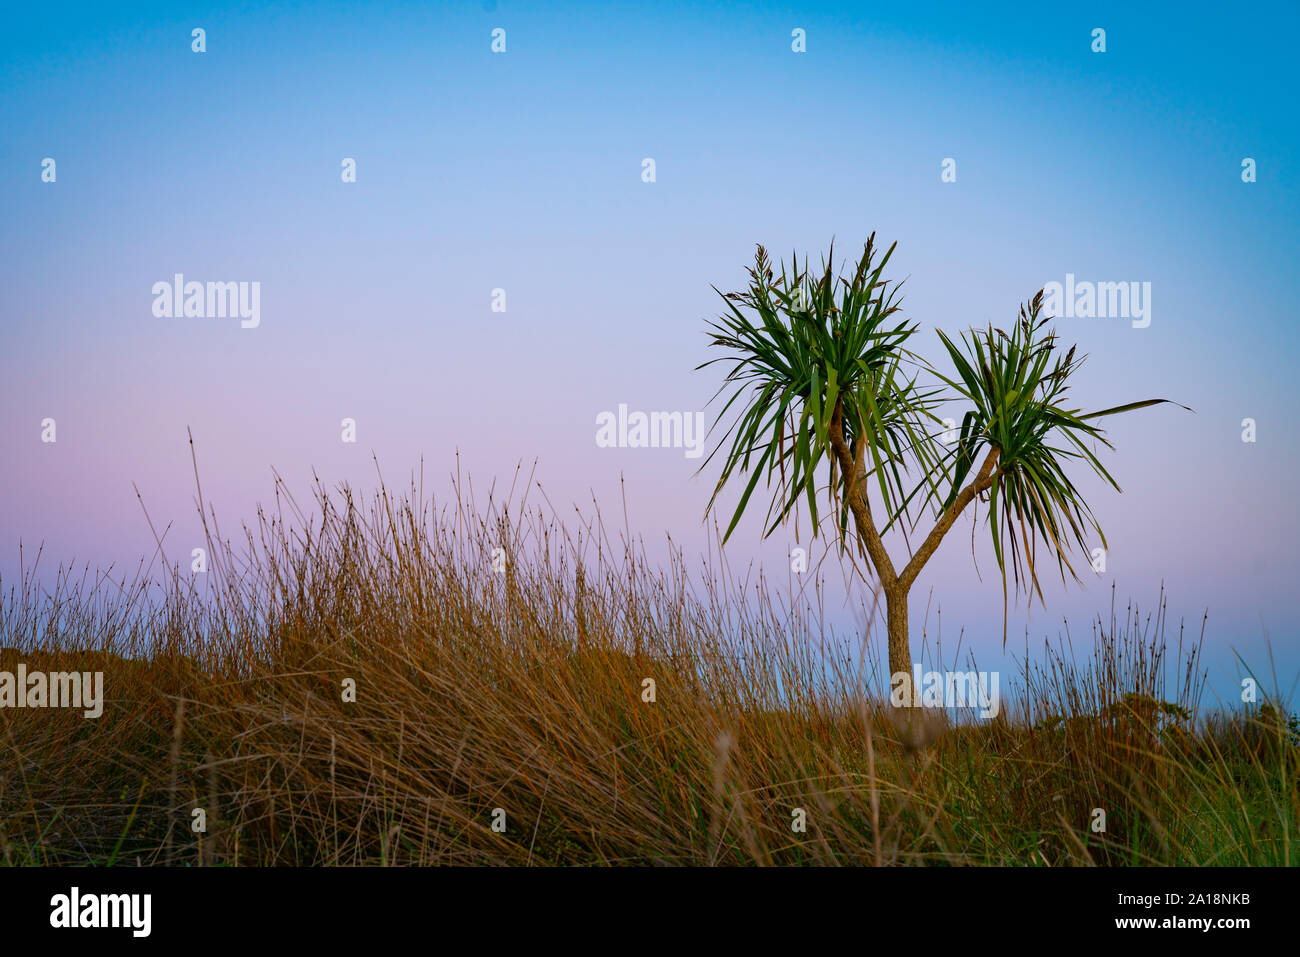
<point x="523" y="171"/>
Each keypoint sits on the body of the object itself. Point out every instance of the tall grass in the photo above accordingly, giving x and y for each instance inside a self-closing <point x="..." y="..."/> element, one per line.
<point x="500" y="660"/>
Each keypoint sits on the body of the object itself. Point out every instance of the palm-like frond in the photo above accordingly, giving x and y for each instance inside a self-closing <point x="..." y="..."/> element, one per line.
<point x="809" y="353"/>
<point x="1017" y="384"/>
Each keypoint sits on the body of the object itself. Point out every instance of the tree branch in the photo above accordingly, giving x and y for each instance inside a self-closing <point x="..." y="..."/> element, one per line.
<point x="853" y="474"/>
<point x="981" y="482"/>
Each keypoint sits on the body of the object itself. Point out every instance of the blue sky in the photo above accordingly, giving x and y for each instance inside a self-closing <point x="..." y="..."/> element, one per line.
<point x="522" y="171"/>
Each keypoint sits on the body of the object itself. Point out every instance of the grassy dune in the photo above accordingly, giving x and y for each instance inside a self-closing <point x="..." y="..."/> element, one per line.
<point x="521" y="687"/>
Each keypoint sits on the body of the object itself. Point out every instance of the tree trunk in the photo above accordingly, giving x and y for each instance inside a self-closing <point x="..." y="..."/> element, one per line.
<point x="900" y="653"/>
<point x="853" y="472"/>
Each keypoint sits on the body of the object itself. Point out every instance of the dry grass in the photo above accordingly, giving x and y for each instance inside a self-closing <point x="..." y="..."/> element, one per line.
<point x="523" y="690"/>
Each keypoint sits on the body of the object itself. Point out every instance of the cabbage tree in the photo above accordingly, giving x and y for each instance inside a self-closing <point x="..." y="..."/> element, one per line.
<point x="823" y="393"/>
